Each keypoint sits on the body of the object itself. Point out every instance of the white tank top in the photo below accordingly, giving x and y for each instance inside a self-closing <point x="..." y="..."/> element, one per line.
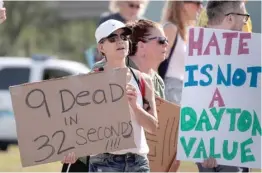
<point x="176" y="66"/>
<point x="139" y="133"/>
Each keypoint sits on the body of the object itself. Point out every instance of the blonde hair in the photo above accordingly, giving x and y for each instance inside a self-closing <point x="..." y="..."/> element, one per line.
<point x="173" y="12"/>
<point x="114" y="6"/>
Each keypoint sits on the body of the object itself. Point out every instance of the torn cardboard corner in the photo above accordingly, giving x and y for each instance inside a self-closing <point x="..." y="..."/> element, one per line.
<point x="84" y="114"/>
<point x="163" y="144"/>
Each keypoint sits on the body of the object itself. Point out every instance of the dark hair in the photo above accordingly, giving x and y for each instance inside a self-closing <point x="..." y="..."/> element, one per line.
<point x="216" y="10"/>
<point x="141" y="29"/>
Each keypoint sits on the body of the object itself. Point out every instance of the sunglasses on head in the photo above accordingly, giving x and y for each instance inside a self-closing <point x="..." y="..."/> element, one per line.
<point x="160" y="40"/>
<point x="112" y="38"/>
<point x="131" y="5"/>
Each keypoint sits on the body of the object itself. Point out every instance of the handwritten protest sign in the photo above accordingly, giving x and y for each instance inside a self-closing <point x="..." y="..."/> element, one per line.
<point x="163" y="144"/>
<point x="85" y="114"/>
<point x="221" y="100"/>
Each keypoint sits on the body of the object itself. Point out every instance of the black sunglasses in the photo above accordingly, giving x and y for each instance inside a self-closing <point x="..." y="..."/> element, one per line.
<point x="131" y="5"/>
<point x="160" y="40"/>
<point x="246" y="16"/>
<point x="112" y="38"/>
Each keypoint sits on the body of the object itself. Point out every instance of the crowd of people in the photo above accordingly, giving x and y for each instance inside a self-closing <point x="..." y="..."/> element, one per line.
<point x="155" y="55"/>
<point x="155" y="51"/>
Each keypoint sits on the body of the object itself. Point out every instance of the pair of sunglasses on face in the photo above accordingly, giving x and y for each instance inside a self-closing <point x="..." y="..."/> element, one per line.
<point x="112" y="38"/>
<point x="160" y="40"/>
<point x="245" y="16"/>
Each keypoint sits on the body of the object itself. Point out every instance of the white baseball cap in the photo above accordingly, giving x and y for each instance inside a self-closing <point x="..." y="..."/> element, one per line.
<point x="108" y="27"/>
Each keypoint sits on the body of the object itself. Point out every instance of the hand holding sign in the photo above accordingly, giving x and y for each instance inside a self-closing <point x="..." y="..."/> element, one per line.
<point x="223" y="120"/>
<point x="131" y="95"/>
<point x="69" y="159"/>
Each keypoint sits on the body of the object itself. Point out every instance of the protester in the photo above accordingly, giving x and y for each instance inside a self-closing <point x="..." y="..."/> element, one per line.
<point x="202" y="22"/>
<point x="125" y="11"/>
<point x="229" y="15"/>
<point x="113" y="43"/>
<point x="177" y="16"/>
<point x="148" y="50"/>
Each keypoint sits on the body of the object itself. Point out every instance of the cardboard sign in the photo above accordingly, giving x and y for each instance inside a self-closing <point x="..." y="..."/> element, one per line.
<point x="221" y="100"/>
<point x="163" y="144"/>
<point x="85" y="114"/>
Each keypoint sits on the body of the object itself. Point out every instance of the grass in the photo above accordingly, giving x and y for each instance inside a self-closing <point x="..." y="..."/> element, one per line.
<point x="10" y="162"/>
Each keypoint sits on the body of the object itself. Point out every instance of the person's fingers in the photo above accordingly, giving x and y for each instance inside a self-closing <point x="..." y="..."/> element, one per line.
<point x="204" y="164"/>
<point x="130" y="87"/>
<point x="210" y="163"/>
<point x="71" y="157"/>
<point x="128" y="78"/>
<point x="214" y="163"/>
<point x="130" y="92"/>
<point x="131" y="97"/>
<point x="66" y="159"/>
<point x="74" y="158"/>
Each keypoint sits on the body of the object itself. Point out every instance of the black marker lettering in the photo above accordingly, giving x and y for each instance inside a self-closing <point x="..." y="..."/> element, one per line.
<point x="95" y="95"/>
<point x="110" y="132"/>
<point x="78" y="134"/>
<point x="82" y="94"/>
<point x="44" y="102"/>
<point x="98" y="133"/>
<point x="62" y="100"/>
<point x="114" y="99"/>
<point x="60" y="150"/>
<point x="45" y="145"/>
<point x="131" y="129"/>
<point x="113" y="130"/>
<point x="91" y="132"/>
<point x="71" y="119"/>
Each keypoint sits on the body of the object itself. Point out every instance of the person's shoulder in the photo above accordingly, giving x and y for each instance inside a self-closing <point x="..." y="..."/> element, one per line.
<point x="98" y="65"/>
<point x="170" y="26"/>
<point x="159" y="80"/>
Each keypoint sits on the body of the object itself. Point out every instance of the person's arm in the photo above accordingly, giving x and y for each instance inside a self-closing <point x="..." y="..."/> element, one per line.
<point x="147" y="119"/>
<point x="209" y="163"/>
<point x="174" y="166"/>
<point x="170" y="32"/>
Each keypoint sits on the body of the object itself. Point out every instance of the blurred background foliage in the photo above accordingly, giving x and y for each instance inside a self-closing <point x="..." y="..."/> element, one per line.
<point x="28" y="31"/>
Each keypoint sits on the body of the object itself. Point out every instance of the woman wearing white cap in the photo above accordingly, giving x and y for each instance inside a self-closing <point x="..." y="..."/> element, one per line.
<point x="113" y="43"/>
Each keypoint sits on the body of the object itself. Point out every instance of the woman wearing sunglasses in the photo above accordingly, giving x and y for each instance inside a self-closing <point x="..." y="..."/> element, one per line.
<point x="148" y="50"/>
<point x="113" y="42"/>
<point x="177" y="16"/>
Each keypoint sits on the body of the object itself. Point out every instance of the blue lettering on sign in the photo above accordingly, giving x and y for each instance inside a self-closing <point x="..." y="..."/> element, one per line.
<point x="226" y="76"/>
